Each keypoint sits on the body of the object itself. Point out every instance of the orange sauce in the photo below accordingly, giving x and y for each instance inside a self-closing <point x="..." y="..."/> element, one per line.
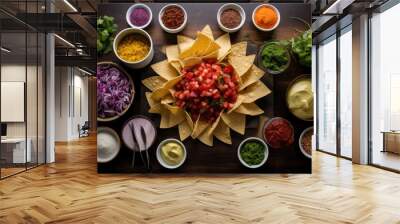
<point x="266" y="17"/>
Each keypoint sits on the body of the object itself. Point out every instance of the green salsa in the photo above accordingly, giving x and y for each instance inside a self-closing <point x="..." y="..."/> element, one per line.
<point x="275" y="57"/>
<point x="252" y="152"/>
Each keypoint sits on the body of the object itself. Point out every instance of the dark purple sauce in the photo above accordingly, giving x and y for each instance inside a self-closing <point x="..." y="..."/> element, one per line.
<point x="139" y="16"/>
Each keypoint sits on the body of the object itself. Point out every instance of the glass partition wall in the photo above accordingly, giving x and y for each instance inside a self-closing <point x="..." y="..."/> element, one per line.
<point x="334" y="94"/>
<point x="22" y="77"/>
<point x="385" y="89"/>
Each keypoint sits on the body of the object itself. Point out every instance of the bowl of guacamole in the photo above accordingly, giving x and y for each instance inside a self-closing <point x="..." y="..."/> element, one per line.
<point x="274" y="57"/>
<point x="253" y="152"/>
<point x="171" y="153"/>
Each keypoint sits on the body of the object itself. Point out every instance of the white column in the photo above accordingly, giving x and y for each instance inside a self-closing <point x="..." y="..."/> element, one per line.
<point x="360" y="90"/>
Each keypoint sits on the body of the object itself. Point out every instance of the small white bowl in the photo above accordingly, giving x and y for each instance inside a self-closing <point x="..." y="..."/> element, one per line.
<point x="130" y="10"/>
<point x="169" y="30"/>
<point x="265" y="156"/>
<point x="300" y="145"/>
<point x="235" y="7"/>
<point x="137" y="64"/>
<point x="105" y="155"/>
<point x="272" y="7"/>
<point x="161" y="160"/>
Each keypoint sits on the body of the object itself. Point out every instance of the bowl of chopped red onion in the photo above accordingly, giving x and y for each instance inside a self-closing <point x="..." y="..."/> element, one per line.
<point x="115" y="91"/>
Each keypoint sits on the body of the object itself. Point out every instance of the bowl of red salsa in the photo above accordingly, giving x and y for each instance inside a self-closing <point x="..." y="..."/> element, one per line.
<point x="172" y="18"/>
<point x="278" y="133"/>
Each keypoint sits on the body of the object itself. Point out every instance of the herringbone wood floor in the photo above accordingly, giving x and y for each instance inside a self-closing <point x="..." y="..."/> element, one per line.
<point x="70" y="191"/>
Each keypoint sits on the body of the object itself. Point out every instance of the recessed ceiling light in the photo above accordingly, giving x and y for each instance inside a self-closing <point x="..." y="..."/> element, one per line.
<point x="5" y="50"/>
<point x="65" y="41"/>
<point x="70" y="5"/>
<point x="84" y="71"/>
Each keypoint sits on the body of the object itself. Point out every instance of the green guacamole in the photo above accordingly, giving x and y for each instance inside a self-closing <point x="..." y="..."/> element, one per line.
<point x="252" y="152"/>
<point x="274" y="57"/>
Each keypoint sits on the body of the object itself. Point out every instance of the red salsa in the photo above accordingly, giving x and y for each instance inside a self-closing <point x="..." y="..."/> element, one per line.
<point x="279" y="133"/>
<point x="173" y="17"/>
<point x="207" y="89"/>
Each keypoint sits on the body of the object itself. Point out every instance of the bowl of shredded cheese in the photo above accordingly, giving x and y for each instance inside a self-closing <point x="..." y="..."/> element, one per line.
<point x="134" y="47"/>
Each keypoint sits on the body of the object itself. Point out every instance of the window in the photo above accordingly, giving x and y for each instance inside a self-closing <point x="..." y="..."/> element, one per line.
<point x="327" y="95"/>
<point x="385" y="89"/>
<point x="346" y="74"/>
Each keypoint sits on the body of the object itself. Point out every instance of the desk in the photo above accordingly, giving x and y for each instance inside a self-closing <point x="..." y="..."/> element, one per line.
<point x="16" y="147"/>
<point x="391" y="141"/>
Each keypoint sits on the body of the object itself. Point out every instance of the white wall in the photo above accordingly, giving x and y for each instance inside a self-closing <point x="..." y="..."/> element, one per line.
<point x="71" y="109"/>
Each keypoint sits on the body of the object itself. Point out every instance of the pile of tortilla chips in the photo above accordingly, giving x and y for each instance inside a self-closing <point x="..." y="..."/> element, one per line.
<point x="189" y="52"/>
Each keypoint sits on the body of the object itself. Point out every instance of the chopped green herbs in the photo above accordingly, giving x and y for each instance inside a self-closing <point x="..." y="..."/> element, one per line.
<point x="105" y="34"/>
<point x="275" y="57"/>
<point x="302" y="44"/>
<point x="252" y="152"/>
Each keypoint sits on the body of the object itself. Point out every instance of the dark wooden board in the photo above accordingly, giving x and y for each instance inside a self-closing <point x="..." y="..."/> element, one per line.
<point x="221" y="158"/>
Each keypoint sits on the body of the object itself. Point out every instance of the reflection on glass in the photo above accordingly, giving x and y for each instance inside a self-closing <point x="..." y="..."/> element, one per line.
<point x="327" y="96"/>
<point x="385" y="84"/>
<point x="15" y="150"/>
<point x="346" y="93"/>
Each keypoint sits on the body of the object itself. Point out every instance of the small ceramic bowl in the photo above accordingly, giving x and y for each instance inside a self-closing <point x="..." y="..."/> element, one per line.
<point x="130" y="10"/>
<point x="169" y="30"/>
<point x="269" y="6"/>
<point x="268" y="122"/>
<point x="134" y="64"/>
<point x="260" y="60"/>
<point x="105" y="155"/>
<point x="124" y="72"/>
<point x="235" y="7"/>
<point x="301" y="146"/>
<point x="266" y="151"/>
<point x="161" y="160"/>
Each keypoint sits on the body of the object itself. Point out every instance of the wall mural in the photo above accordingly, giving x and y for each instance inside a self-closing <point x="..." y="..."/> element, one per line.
<point x="204" y="88"/>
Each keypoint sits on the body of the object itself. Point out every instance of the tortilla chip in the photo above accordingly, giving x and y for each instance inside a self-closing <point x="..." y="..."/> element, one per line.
<point x="176" y="65"/>
<point x="224" y="42"/>
<point x="155" y="107"/>
<point x="159" y="93"/>
<point x="239" y="49"/>
<point x="184" y="130"/>
<point x="211" y="55"/>
<point x="208" y="32"/>
<point x="252" y="76"/>
<point x="167" y="99"/>
<point x="249" y="109"/>
<point x="165" y="70"/>
<point x="214" y="125"/>
<point x="206" y="138"/>
<point x="255" y="92"/>
<point x="199" y="127"/>
<point x="184" y="43"/>
<point x="202" y="46"/>
<point x="189" y="120"/>
<point x="189" y="62"/>
<point x="169" y="120"/>
<point x="223" y="133"/>
<point x="238" y="102"/>
<point x="241" y="64"/>
<point x="172" y="53"/>
<point x="172" y="109"/>
<point x="235" y="121"/>
<point x="154" y="82"/>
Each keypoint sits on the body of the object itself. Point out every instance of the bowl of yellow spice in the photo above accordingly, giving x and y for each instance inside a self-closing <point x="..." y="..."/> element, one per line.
<point x="134" y="47"/>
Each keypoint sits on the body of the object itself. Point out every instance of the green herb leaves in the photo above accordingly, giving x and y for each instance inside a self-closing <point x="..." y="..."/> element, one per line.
<point x="301" y="46"/>
<point x="275" y="56"/>
<point x="105" y="31"/>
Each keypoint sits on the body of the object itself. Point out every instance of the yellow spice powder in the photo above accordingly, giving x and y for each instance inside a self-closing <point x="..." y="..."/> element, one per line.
<point x="133" y="48"/>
